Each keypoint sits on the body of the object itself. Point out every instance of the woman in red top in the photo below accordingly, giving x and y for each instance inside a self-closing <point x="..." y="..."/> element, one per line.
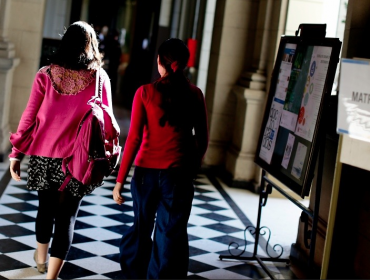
<point x="169" y="137"/>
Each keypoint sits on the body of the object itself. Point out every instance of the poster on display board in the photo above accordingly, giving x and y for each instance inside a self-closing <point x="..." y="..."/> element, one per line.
<point x="301" y="83"/>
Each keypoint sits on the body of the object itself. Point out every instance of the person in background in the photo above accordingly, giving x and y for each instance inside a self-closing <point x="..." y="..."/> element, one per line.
<point x="112" y="55"/>
<point x="169" y="137"/>
<point x="46" y="133"/>
<point x="102" y="35"/>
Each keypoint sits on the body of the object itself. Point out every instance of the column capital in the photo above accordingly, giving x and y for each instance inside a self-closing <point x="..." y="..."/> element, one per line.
<point x="253" y="80"/>
<point x="257" y="75"/>
<point x="7" y="64"/>
<point x="249" y="95"/>
<point x="7" y="49"/>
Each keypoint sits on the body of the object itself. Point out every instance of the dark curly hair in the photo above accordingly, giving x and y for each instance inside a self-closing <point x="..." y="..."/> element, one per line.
<point x="177" y="98"/>
<point x="78" y="48"/>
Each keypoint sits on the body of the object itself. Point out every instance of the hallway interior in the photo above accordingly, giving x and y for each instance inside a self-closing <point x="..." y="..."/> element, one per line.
<point x="219" y="216"/>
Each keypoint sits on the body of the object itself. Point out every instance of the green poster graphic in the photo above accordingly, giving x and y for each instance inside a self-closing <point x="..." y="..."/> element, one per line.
<point x="297" y="82"/>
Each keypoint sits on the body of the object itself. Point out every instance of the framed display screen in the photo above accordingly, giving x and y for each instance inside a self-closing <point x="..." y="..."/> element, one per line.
<point x="291" y="129"/>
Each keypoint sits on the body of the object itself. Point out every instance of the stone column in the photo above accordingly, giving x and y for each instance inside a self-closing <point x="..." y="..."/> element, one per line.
<point x="233" y="33"/>
<point x="252" y="90"/>
<point x="8" y="62"/>
<point x="240" y="156"/>
<point x="26" y="34"/>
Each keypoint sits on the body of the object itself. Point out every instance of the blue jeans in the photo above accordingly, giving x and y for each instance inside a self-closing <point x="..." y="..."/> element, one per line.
<point x="161" y="197"/>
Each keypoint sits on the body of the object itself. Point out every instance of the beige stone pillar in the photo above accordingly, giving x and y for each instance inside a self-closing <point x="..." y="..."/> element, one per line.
<point x="8" y="62"/>
<point x="252" y="90"/>
<point x="240" y="156"/>
<point x="25" y="29"/>
<point x="232" y="37"/>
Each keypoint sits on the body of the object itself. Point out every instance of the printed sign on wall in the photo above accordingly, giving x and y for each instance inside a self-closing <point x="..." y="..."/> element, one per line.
<point x="354" y="99"/>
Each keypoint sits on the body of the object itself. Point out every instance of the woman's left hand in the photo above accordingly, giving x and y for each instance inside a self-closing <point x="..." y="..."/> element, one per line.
<point x="117" y="194"/>
<point x="15" y="170"/>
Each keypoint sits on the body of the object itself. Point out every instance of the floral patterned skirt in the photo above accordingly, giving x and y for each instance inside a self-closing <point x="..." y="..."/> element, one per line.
<point x="45" y="173"/>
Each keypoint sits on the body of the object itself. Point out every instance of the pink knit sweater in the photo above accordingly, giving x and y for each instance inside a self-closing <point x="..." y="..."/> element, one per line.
<point x="55" y="107"/>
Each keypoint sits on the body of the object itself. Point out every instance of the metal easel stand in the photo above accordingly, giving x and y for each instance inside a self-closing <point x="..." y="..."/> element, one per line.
<point x="309" y="234"/>
<point x="314" y="30"/>
<point x="265" y="190"/>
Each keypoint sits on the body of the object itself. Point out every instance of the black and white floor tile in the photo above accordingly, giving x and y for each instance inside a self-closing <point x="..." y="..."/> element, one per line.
<point x="215" y="221"/>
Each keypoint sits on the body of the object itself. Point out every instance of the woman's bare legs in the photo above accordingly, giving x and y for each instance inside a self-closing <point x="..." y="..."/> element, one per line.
<point x="55" y="266"/>
<point x="42" y="252"/>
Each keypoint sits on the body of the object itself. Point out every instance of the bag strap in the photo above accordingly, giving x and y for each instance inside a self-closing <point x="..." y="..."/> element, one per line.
<point x="65" y="182"/>
<point x="97" y="84"/>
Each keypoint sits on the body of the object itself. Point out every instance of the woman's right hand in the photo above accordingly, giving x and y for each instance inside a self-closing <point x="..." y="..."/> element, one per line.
<point x="117" y="194"/>
<point x="15" y="169"/>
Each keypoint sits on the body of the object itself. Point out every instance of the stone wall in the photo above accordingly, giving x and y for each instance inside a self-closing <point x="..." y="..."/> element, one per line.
<point x="231" y="52"/>
<point x="25" y="27"/>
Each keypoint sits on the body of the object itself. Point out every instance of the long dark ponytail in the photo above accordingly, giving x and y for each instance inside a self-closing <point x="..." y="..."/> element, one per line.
<point x="174" y="86"/>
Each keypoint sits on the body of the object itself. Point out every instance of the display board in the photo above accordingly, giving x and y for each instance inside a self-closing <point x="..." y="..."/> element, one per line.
<point x="291" y="129"/>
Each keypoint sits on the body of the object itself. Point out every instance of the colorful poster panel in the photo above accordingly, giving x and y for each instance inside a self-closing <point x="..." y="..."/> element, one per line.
<point x="288" y="151"/>
<point x="284" y="72"/>
<point x="296" y="86"/>
<point x="314" y="87"/>
<point x="271" y="130"/>
<point x="272" y="126"/>
<point x="299" y="158"/>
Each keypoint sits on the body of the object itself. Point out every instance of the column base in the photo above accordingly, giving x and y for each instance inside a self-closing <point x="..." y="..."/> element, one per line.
<point x="216" y="154"/>
<point x="240" y="165"/>
<point x="226" y="177"/>
<point x="240" y="156"/>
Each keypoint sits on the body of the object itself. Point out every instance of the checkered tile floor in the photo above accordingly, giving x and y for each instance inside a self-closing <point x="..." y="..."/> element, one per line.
<point x="214" y="222"/>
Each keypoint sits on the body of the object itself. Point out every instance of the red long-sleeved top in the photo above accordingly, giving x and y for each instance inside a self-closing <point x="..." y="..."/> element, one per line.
<point x="161" y="147"/>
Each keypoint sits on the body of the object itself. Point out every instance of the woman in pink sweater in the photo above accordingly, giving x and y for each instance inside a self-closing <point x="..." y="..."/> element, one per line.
<point x="168" y="136"/>
<point x="46" y="132"/>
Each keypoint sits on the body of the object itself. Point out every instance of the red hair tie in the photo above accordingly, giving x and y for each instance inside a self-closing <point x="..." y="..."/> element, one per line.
<point x="174" y="66"/>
